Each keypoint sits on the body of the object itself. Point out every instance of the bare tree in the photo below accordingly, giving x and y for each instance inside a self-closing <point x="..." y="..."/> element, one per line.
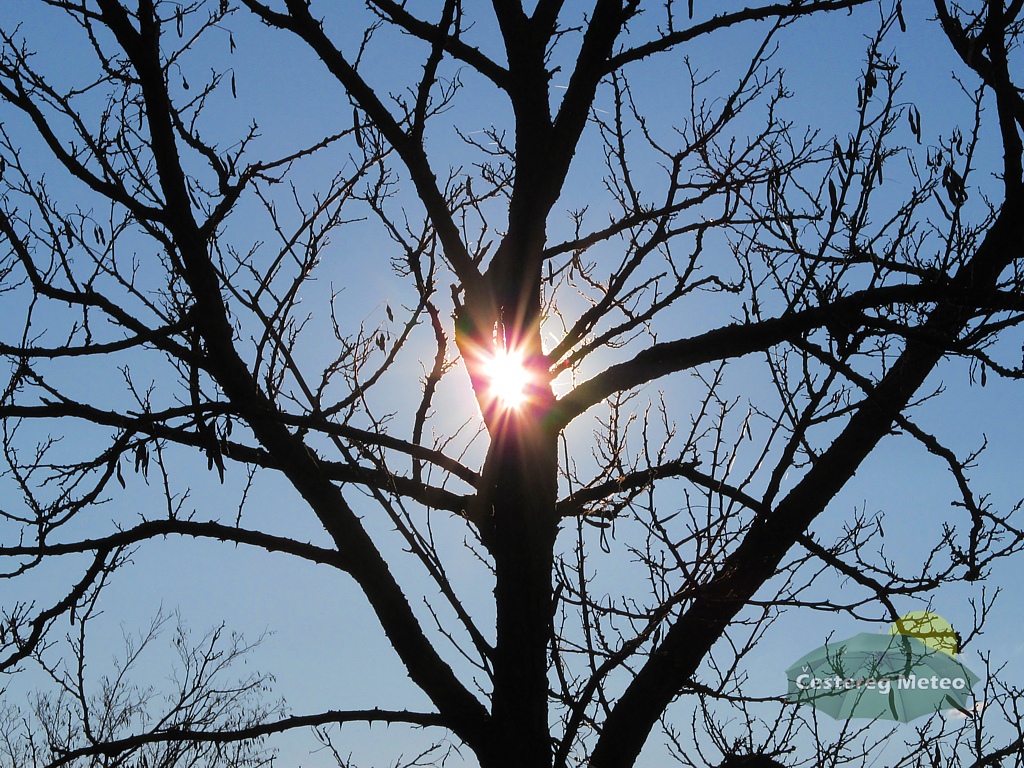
<point x="158" y="241"/>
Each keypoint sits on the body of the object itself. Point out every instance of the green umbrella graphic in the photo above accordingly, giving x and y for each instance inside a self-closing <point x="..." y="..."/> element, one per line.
<point x="889" y="677"/>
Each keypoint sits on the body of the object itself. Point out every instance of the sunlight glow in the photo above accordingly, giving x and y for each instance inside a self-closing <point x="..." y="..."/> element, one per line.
<point x="509" y="378"/>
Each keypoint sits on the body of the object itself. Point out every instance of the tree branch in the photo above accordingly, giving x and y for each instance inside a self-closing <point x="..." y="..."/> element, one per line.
<point x="728" y="342"/>
<point x="184" y="736"/>
<point x="190" y="528"/>
<point x="776" y="10"/>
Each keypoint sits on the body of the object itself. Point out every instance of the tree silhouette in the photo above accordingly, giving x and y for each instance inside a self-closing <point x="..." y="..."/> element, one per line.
<point x="159" y="243"/>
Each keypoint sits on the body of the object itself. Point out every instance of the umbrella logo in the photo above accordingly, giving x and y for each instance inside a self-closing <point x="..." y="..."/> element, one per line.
<point x="905" y="674"/>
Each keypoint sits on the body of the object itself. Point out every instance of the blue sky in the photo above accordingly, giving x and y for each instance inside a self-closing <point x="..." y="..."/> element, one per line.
<point x="325" y="648"/>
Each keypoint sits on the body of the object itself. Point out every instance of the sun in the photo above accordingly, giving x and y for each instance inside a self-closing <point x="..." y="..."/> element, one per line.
<point x="509" y="377"/>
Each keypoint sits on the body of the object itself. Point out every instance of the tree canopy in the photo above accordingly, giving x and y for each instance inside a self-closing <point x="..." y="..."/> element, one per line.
<point x="568" y="327"/>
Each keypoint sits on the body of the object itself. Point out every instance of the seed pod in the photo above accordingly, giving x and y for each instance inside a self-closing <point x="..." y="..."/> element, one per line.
<point x="870" y="83"/>
<point x="837" y="153"/>
<point x="914" y="116"/>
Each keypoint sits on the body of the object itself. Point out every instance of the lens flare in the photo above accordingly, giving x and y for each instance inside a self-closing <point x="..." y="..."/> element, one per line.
<point x="508" y="377"/>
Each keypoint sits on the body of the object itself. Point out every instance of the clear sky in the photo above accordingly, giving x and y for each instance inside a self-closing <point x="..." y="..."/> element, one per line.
<point x="324" y="647"/>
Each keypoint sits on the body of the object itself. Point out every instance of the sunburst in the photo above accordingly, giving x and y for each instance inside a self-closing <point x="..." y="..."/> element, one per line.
<point x="509" y="378"/>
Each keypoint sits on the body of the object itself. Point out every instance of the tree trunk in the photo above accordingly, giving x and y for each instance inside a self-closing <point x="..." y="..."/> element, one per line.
<point x="521" y="485"/>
